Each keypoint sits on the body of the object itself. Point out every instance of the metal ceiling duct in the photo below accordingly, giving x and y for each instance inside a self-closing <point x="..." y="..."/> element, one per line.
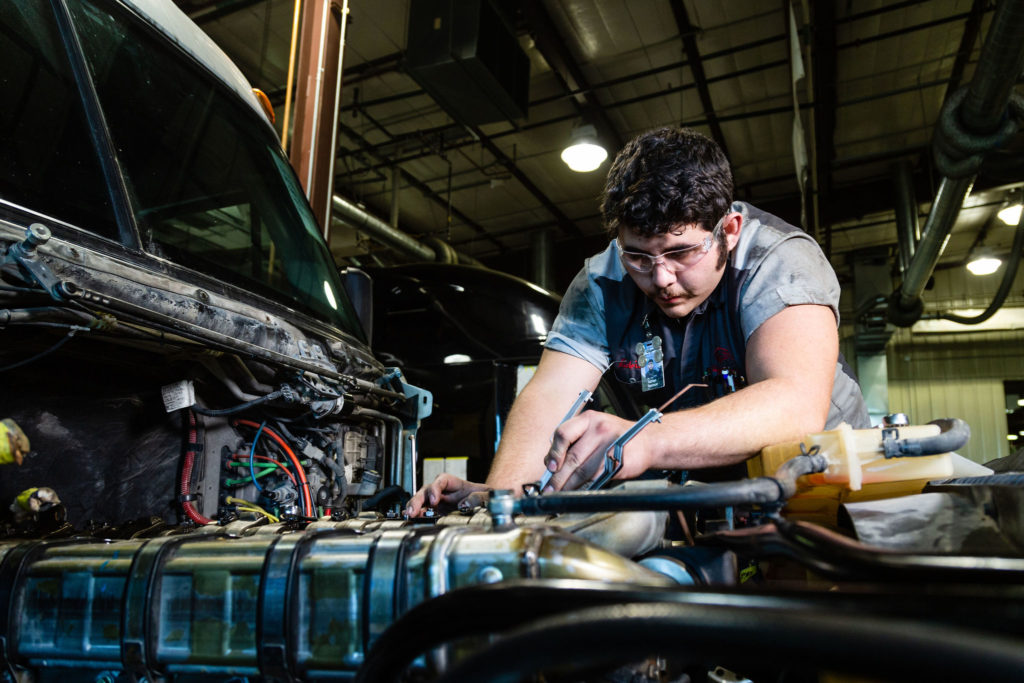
<point x="974" y="121"/>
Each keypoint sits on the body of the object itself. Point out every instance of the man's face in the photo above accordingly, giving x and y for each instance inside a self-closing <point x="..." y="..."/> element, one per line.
<point x="678" y="293"/>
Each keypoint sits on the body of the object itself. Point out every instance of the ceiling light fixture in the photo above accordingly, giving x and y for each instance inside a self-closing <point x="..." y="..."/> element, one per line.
<point x="584" y="153"/>
<point x="1011" y="214"/>
<point x="984" y="263"/>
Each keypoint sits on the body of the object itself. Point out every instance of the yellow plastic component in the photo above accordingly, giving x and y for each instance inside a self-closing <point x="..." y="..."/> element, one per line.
<point x="14" y="444"/>
<point x="24" y="499"/>
<point x="857" y="470"/>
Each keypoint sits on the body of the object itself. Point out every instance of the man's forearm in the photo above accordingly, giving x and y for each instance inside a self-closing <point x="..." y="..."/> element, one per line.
<point x="535" y="414"/>
<point x="734" y="427"/>
<point x="524" y="443"/>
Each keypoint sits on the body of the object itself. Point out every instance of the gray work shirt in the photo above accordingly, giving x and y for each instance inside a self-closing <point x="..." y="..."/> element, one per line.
<point x="774" y="265"/>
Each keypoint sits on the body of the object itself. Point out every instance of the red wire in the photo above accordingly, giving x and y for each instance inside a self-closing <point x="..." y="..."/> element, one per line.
<point x="186" y="473"/>
<point x="306" y="494"/>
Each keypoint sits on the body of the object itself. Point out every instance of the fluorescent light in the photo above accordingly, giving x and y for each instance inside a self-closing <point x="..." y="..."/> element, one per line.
<point x="1011" y="437"/>
<point x="457" y="358"/>
<point x="1011" y="214"/>
<point x="1020" y="401"/>
<point x="584" y="153"/>
<point x="984" y="265"/>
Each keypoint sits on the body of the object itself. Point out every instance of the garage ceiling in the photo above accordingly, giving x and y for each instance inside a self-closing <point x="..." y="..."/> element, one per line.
<point x="878" y="74"/>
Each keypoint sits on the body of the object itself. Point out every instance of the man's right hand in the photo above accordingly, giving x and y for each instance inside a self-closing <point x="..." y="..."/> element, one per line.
<point x="445" y="494"/>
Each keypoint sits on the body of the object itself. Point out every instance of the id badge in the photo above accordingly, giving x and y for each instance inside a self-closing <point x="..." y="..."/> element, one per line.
<point x="650" y="359"/>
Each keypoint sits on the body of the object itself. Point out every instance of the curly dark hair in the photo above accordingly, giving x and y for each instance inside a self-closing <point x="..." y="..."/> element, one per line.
<point x="665" y="178"/>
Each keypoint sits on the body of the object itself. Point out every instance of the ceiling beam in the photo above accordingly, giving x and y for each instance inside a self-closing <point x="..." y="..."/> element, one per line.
<point x="687" y="32"/>
<point x="564" y="222"/>
<point x="455" y="143"/>
<point x="424" y="188"/>
<point x="554" y="49"/>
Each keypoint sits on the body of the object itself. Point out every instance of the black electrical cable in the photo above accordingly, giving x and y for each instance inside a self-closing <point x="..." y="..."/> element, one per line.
<point x="1016" y="252"/>
<point x="209" y="412"/>
<point x="26" y="290"/>
<point x="736" y="637"/>
<point x="46" y="352"/>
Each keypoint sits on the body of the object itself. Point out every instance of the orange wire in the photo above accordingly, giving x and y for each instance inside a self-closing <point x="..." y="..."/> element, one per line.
<point x="307" y="495"/>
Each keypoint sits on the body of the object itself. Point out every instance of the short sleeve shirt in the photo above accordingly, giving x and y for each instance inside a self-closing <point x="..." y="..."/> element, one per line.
<point x="774" y="265"/>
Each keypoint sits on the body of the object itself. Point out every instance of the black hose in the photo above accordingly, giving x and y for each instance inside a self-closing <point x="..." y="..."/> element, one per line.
<point x="1014" y="479"/>
<point x="835" y="556"/>
<point x="759" y="491"/>
<point x="734" y="635"/>
<point x="1016" y="251"/>
<point x="210" y="412"/>
<point x="386" y="493"/>
<point x="953" y="435"/>
<point x="480" y="610"/>
<point x="487" y="608"/>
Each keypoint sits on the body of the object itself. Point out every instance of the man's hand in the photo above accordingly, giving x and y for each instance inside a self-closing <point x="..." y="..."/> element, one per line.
<point x="445" y="493"/>
<point x="577" y="450"/>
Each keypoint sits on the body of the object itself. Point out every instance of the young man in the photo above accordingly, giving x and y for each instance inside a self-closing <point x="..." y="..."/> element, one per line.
<point x="702" y="290"/>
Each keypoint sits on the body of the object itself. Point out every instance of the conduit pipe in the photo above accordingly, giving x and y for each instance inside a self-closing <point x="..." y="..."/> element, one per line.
<point x="395" y="239"/>
<point x="908" y="227"/>
<point x="973" y="122"/>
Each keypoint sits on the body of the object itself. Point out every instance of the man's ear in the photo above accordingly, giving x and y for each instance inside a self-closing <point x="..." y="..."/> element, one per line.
<point x="731" y="228"/>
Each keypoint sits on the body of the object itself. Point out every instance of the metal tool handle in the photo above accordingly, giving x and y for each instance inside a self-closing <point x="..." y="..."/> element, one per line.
<point x="613" y="455"/>
<point x="581" y="400"/>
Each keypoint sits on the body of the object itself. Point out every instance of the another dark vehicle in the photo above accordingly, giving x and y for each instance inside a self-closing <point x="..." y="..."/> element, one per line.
<point x="471" y="336"/>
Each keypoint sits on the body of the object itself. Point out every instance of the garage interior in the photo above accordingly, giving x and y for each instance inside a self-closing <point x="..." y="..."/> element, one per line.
<point x="488" y="181"/>
<point x="208" y="450"/>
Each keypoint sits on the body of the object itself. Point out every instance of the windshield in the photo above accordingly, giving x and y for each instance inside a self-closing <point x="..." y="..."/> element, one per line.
<point x="211" y="187"/>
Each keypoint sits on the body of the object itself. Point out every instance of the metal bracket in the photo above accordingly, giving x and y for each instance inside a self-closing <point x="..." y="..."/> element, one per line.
<point x="27" y="259"/>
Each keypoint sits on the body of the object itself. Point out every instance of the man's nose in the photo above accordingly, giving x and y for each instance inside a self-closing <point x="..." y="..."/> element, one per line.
<point x="661" y="275"/>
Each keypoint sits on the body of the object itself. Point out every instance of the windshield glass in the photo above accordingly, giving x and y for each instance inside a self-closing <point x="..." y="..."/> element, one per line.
<point x="211" y="186"/>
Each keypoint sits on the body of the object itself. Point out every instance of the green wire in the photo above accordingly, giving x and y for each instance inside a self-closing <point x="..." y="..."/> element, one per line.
<point x="248" y="480"/>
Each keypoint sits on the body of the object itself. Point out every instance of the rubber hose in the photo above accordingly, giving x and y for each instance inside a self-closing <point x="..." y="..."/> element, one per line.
<point x="385" y="493"/>
<point x="759" y="491"/>
<point x="1016" y="251"/>
<point x="491" y="608"/>
<point x="955" y="433"/>
<point x="733" y="636"/>
<point x="838" y="557"/>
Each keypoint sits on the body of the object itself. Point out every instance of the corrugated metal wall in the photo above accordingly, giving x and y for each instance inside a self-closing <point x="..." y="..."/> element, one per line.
<point x="959" y="375"/>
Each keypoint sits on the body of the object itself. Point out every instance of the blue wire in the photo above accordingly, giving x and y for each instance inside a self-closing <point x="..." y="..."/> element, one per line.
<point x="252" y="457"/>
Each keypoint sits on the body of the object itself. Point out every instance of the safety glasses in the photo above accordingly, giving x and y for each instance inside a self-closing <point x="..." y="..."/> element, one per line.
<point x="674" y="259"/>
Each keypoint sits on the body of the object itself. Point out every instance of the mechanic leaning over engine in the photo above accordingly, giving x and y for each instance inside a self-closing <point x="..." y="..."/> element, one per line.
<point x="693" y="288"/>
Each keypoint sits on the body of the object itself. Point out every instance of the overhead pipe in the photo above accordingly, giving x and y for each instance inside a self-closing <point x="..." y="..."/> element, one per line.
<point x="908" y="227"/>
<point x="396" y="239"/>
<point x="973" y="121"/>
<point x="542" y="252"/>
